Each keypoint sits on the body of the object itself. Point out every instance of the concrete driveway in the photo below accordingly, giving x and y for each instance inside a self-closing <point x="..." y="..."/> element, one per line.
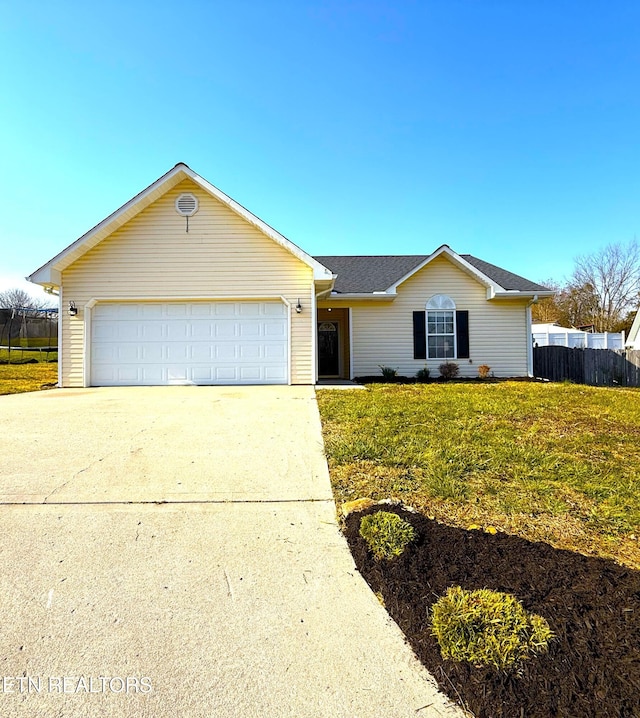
<point x="174" y="552"/>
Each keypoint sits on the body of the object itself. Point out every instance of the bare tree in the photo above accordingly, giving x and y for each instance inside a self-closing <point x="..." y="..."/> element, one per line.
<point x="19" y="299"/>
<point x="547" y="310"/>
<point x="612" y="277"/>
<point x="571" y="306"/>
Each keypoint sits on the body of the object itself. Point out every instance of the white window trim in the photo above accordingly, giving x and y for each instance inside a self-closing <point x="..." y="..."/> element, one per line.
<point x="441" y="299"/>
<point x="455" y="334"/>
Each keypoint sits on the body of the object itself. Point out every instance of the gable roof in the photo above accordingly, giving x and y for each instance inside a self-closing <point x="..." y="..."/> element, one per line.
<point x="364" y="275"/>
<point x="381" y="273"/>
<point x="49" y="273"/>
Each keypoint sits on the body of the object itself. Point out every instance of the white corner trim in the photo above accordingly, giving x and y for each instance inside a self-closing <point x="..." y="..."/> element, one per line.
<point x="314" y="337"/>
<point x="529" y="341"/>
<point x="86" y="365"/>
<point x="60" y="320"/>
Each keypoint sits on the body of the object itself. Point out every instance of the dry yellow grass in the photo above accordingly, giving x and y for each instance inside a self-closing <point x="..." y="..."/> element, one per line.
<point x="18" y="378"/>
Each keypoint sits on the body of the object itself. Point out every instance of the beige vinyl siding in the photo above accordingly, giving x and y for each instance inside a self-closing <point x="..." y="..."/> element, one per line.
<point x="153" y="257"/>
<point x="382" y="332"/>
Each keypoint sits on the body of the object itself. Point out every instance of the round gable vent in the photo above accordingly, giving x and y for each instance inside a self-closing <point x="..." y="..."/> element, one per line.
<point x="187" y="205"/>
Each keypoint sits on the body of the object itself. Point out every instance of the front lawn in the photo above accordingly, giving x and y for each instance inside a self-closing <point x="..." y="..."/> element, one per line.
<point x="552" y="462"/>
<point x="17" y="378"/>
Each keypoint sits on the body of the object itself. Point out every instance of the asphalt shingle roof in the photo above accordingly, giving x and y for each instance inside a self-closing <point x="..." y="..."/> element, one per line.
<point x="377" y="273"/>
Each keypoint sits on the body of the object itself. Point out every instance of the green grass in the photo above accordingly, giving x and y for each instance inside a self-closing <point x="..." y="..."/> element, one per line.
<point x="18" y="378"/>
<point x="37" y="341"/>
<point x="17" y="356"/>
<point x="552" y="462"/>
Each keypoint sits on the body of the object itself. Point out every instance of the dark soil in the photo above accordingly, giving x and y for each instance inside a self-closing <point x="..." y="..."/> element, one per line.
<point x="378" y="379"/>
<point x="592" y="669"/>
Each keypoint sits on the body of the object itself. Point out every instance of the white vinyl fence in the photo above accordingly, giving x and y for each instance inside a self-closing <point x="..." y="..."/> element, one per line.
<point x="575" y="339"/>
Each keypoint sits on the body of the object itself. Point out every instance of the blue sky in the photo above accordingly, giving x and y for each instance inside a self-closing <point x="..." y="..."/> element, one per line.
<point x="507" y="129"/>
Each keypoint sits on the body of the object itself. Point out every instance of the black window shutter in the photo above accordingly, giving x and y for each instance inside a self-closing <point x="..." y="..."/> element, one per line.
<point x="419" y="335"/>
<point x="462" y="334"/>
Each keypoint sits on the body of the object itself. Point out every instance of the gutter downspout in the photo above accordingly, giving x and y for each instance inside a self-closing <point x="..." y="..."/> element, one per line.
<point x="530" y="336"/>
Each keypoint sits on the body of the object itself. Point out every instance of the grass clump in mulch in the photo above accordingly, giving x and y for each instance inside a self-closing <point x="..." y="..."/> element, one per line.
<point x="592" y="606"/>
<point x="386" y="534"/>
<point x="487" y="628"/>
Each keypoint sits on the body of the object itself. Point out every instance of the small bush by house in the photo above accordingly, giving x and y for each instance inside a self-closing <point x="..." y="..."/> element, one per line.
<point x="449" y="370"/>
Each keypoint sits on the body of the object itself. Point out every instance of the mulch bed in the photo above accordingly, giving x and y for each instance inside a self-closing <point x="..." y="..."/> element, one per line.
<point x="592" y="605"/>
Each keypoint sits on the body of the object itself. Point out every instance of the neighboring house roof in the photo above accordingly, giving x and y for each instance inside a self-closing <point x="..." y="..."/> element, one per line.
<point x="365" y="275"/>
<point x="49" y="274"/>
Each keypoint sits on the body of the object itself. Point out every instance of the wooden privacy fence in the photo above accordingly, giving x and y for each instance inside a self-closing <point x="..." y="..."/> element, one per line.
<point x="597" y="367"/>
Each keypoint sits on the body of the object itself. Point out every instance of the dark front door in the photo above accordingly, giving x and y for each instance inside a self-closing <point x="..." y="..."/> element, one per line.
<point x="328" y="349"/>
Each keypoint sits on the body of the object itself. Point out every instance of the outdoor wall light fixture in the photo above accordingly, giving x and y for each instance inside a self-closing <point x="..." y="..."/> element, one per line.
<point x="298" y="307"/>
<point x="73" y="310"/>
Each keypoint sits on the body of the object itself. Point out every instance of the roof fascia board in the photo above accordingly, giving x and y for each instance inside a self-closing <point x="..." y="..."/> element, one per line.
<point x="456" y="259"/>
<point x="517" y="294"/>
<point x="367" y="296"/>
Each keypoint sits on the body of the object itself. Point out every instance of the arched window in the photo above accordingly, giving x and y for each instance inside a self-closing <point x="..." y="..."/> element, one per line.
<point x="441" y="301"/>
<point x="441" y="327"/>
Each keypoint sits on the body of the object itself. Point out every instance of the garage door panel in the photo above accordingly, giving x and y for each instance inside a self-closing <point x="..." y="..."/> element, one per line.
<point x="177" y="352"/>
<point x="177" y="330"/>
<point x="273" y="329"/>
<point x="249" y="329"/>
<point x="275" y="352"/>
<point x="151" y="331"/>
<point x="225" y="309"/>
<point x="226" y="352"/>
<point x="202" y="375"/>
<point x="223" y="328"/>
<point x="181" y="342"/>
<point x="202" y="352"/>
<point x="275" y="309"/>
<point x="177" y="310"/>
<point x="249" y="309"/>
<point x="151" y="375"/>
<point x="202" y="329"/>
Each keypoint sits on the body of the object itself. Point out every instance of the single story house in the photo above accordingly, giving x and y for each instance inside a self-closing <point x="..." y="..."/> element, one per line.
<point x="183" y="285"/>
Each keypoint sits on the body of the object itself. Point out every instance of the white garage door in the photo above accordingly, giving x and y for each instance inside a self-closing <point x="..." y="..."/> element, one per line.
<point x="189" y="343"/>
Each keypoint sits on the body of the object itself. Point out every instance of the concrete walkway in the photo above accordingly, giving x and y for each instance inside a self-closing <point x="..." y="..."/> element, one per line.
<point x="237" y="596"/>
